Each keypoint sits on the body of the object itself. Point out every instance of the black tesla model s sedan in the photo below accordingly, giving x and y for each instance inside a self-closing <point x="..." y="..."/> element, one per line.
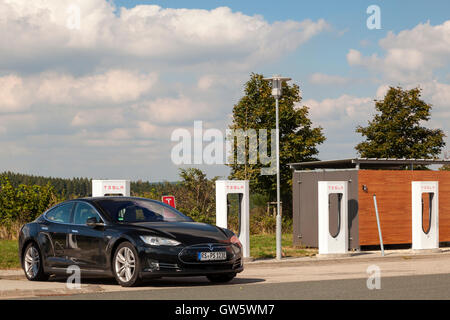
<point x="128" y="238"/>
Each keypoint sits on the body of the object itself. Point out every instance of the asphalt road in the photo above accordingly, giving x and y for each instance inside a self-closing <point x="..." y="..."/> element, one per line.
<point x="435" y="286"/>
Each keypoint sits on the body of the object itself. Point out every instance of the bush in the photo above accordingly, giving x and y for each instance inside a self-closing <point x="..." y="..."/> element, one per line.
<point x="200" y="217"/>
<point x="22" y="205"/>
<point x="261" y="222"/>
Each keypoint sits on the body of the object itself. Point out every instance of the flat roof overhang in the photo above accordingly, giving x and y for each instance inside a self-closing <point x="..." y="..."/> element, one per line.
<point x="366" y="163"/>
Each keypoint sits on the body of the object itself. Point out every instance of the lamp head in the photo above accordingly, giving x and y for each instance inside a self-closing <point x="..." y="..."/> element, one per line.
<point x="276" y="85"/>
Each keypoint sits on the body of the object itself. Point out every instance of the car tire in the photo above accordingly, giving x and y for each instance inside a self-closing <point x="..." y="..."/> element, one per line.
<point x="32" y="263"/>
<point x="221" y="278"/>
<point x="126" y="265"/>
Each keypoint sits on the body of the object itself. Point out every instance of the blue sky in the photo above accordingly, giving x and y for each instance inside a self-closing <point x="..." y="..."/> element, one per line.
<point x="399" y="14"/>
<point x="89" y="89"/>
<point x="327" y="52"/>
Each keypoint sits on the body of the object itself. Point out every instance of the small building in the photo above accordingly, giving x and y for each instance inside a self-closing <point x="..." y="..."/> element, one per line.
<point x="389" y="179"/>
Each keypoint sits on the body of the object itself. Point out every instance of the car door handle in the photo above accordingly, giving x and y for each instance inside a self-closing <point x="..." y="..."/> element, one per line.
<point x="74" y="231"/>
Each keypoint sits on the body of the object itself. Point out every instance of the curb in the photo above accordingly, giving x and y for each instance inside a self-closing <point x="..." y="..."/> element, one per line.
<point x="17" y="293"/>
<point x="12" y="274"/>
<point x="355" y="257"/>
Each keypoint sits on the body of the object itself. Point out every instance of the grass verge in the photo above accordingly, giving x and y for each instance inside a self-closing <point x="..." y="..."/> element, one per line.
<point x="9" y="258"/>
<point x="264" y="246"/>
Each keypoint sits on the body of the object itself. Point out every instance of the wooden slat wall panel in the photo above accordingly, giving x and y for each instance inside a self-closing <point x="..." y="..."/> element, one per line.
<point x="393" y="190"/>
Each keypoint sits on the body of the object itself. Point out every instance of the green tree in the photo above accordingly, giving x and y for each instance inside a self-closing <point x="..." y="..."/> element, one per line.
<point x="195" y="195"/>
<point x="298" y="137"/>
<point x="7" y="204"/>
<point x="396" y="131"/>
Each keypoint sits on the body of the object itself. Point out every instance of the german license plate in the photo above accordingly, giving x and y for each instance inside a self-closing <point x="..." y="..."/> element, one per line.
<point x="212" y="256"/>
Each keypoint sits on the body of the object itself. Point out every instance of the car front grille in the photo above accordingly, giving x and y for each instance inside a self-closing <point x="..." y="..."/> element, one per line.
<point x="189" y="255"/>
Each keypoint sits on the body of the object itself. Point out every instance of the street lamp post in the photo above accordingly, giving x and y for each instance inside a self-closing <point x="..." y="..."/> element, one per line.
<point x="276" y="93"/>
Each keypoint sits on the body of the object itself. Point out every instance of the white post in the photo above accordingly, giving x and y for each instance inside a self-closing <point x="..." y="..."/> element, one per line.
<point x="425" y="239"/>
<point x="378" y="224"/>
<point x="329" y="244"/>
<point x="278" y="220"/>
<point x="223" y="188"/>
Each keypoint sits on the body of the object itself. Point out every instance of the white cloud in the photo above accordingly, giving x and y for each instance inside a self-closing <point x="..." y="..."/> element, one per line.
<point x="50" y="88"/>
<point x="381" y="91"/>
<point x="432" y="41"/>
<point x="439" y="93"/>
<point x="339" y="118"/>
<point x="12" y="94"/>
<point x="355" y="58"/>
<point x="84" y="99"/>
<point x="348" y="109"/>
<point x="147" y="129"/>
<point x="325" y="79"/>
<point x="343" y="113"/>
<point x="410" y="55"/>
<point x="206" y="82"/>
<point x="146" y="32"/>
<point x="176" y="110"/>
<point x="109" y="117"/>
<point x="114" y="86"/>
<point x="221" y="81"/>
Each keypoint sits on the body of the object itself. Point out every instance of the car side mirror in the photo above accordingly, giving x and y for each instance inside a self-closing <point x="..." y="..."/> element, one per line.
<point x="93" y="222"/>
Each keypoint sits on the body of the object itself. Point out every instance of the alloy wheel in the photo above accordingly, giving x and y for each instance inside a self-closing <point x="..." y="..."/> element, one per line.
<point x="32" y="262"/>
<point x="125" y="264"/>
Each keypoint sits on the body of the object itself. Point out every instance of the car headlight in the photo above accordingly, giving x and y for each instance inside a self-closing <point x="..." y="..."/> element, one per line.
<point x="235" y="240"/>
<point x="159" y="241"/>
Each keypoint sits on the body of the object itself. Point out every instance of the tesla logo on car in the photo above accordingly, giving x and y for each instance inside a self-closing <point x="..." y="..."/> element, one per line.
<point x="170" y="200"/>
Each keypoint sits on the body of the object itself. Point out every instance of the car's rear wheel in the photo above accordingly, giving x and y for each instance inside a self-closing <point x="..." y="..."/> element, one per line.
<point x="126" y="265"/>
<point x="221" y="278"/>
<point x="33" y="264"/>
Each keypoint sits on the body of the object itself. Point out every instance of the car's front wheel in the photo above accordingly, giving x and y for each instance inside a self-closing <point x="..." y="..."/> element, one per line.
<point x="33" y="264"/>
<point x="126" y="265"/>
<point x="221" y="278"/>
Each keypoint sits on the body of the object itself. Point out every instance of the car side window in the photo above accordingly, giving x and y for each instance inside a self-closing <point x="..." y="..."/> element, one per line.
<point x="60" y="214"/>
<point x="83" y="212"/>
<point x="163" y="212"/>
<point x="150" y="212"/>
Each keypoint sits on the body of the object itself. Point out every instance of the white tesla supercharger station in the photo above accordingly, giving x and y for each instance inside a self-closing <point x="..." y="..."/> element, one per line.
<point x="223" y="188"/>
<point x="421" y="238"/>
<point x="328" y="243"/>
<point x="101" y="188"/>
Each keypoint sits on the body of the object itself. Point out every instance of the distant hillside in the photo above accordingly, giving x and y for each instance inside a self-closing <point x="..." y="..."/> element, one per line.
<point x="74" y="187"/>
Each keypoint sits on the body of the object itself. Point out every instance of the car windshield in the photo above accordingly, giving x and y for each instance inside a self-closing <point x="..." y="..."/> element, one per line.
<point x="141" y="210"/>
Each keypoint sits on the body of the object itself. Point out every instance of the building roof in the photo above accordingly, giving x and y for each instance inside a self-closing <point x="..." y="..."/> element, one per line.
<point x="366" y="163"/>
